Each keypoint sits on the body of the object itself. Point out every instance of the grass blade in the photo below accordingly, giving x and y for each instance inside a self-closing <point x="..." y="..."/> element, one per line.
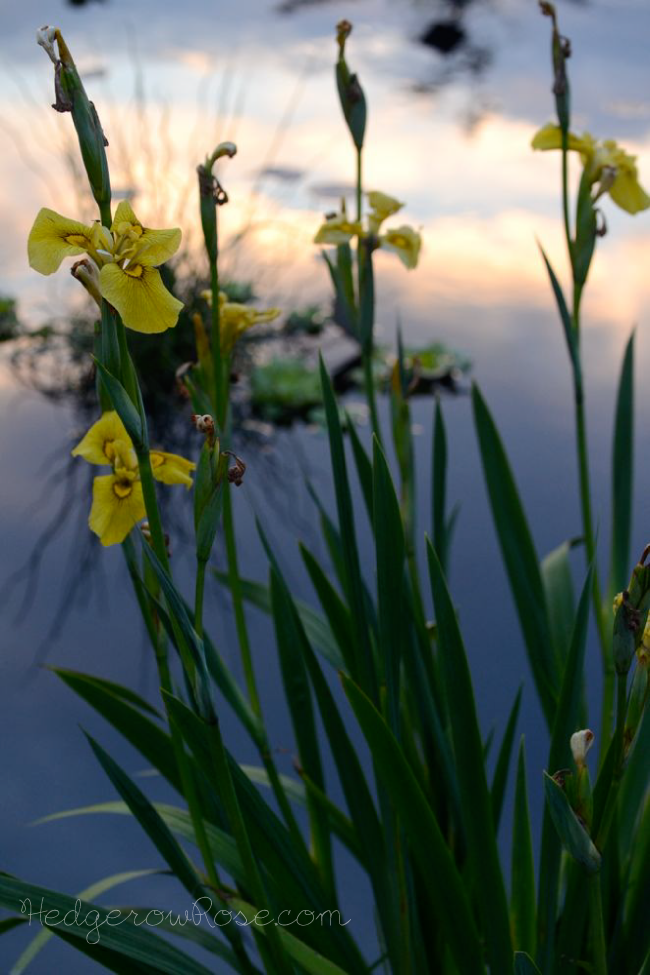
<point x="150" y="820"/>
<point x="519" y="556"/>
<point x="95" y="890"/>
<point x="290" y="640"/>
<point x="318" y="629"/>
<point x="149" y="738"/>
<point x="475" y="798"/>
<point x="439" y="873"/>
<point x="337" y="613"/>
<point x="503" y="762"/>
<point x="560" y="598"/>
<point x="131" y="943"/>
<point x="364" y="670"/>
<point x="439" y="487"/>
<point x="559" y="757"/>
<point x="390" y="554"/>
<point x="622" y="473"/>
<point x="567" y="323"/>
<point x="523" y="911"/>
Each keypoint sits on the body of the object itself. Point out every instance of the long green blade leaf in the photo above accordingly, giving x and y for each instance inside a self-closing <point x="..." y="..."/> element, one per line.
<point x="622" y="473"/>
<point x="439" y="872"/>
<point x="135" y="944"/>
<point x="475" y="798"/>
<point x="519" y="555"/>
<point x="559" y="757"/>
<point x="523" y="909"/>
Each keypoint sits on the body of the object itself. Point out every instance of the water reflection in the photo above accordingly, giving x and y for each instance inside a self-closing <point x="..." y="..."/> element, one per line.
<point x="168" y="89"/>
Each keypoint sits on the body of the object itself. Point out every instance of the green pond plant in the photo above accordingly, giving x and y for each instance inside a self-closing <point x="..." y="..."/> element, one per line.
<point x="374" y="686"/>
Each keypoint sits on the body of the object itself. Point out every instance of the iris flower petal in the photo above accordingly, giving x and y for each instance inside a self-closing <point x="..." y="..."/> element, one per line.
<point x="405" y="242"/>
<point x="383" y="206"/>
<point x="140" y="297"/>
<point x="171" y="468"/>
<point x="337" y="230"/>
<point x="98" y="445"/>
<point x="550" y="137"/>
<point x="154" y="246"/>
<point x="53" y="238"/>
<point x="627" y="192"/>
<point x="117" y="507"/>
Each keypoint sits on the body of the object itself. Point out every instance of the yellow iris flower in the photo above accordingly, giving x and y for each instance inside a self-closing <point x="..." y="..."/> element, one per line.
<point x="604" y="162"/>
<point x="382" y="206"/>
<point x="127" y="257"/>
<point x="118" y="503"/>
<point x="338" y="229"/>
<point x="235" y="319"/>
<point x="403" y="241"/>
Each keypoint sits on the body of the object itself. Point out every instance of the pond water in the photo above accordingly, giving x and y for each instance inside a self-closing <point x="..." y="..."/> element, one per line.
<point x="448" y="134"/>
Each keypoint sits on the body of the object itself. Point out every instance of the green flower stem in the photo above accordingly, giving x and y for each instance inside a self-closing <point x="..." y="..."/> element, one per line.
<point x="369" y="385"/>
<point x="359" y="183"/>
<point x="220" y="395"/>
<point x="190" y="793"/>
<point x="599" y="947"/>
<point x="583" y="474"/>
<point x="226" y="791"/>
<point x="140" y="590"/>
<point x="617" y="774"/>
<point x="151" y="505"/>
<point x="234" y="582"/>
<point x="105" y="214"/>
<point x="198" y="597"/>
<point x="565" y="190"/>
<point x="367" y="347"/>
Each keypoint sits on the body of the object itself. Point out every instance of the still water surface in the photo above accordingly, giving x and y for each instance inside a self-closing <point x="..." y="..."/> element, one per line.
<point x="168" y="86"/>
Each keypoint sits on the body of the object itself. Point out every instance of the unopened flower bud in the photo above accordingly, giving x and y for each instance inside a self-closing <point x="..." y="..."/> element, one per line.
<point x="581" y="742"/>
<point x="45" y="38"/>
<point x="607" y="176"/>
<point x="88" y="274"/>
<point x="343" y="31"/>
<point x="223" y="149"/>
<point x="203" y="423"/>
<point x="237" y="471"/>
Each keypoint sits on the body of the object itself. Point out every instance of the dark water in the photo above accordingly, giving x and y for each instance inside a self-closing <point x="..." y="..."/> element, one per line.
<point x="47" y="763"/>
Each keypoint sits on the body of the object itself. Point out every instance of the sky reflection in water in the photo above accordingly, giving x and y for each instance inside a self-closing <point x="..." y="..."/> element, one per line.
<point x="168" y="88"/>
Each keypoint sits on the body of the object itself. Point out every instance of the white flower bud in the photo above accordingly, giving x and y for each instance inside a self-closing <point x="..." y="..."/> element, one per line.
<point x="204" y="423"/>
<point x="581" y="742"/>
<point x="45" y="37"/>
<point x="223" y="149"/>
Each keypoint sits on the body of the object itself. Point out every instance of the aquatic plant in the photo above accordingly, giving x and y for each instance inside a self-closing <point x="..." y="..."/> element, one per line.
<point x="420" y="814"/>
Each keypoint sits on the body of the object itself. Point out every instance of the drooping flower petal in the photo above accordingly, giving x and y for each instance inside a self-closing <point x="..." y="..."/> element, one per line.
<point x="337" y="229"/>
<point x="405" y="242"/>
<point x="626" y="191"/>
<point x="105" y="439"/>
<point x="235" y="319"/>
<point x="53" y="238"/>
<point x="154" y="247"/>
<point x="171" y="468"/>
<point x="382" y="206"/>
<point x="599" y="158"/>
<point x="118" y="505"/>
<point x="550" y="137"/>
<point x="140" y="297"/>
